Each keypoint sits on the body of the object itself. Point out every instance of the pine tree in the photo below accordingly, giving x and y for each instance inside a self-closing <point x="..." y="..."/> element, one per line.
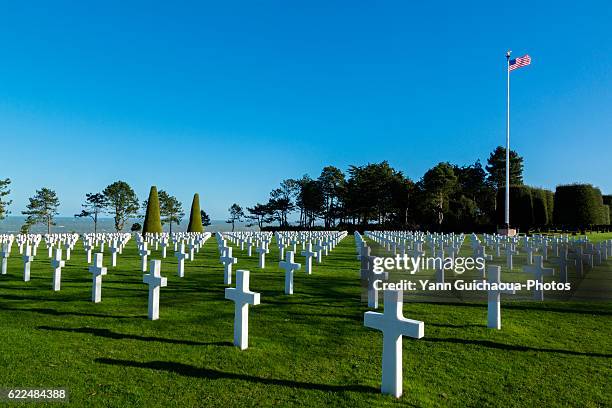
<point x="152" y="222"/>
<point x="195" y="218"/>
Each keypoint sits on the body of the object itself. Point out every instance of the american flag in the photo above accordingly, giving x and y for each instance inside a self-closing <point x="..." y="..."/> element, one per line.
<point x="519" y="62"/>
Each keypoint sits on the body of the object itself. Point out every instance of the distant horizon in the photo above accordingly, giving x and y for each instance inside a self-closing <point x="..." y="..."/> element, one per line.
<point x="106" y="224"/>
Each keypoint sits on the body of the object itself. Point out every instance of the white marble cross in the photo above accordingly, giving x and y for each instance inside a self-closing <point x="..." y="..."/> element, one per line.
<point x="97" y="271"/>
<point x="27" y="260"/>
<point x="564" y="261"/>
<point x="538" y="271"/>
<point x="529" y="250"/>
<point x="88" y="247"/>
<point x="227" y="260"/>
<point x="164" y="245"/>
<point x="190" y="249"/>
<point x="509" y="252"/>
<point x="318" y="248"/>
<point x="281" y="248"/>
<point x="262" y="251"/>
<point x="114" y="249"/>
<point x="144" y="253"/>
<point x="249" y="243"/>
<point x="439" y="266"/>
<point x="494" y="304"/>
<point x="372" y="277"/>
<point x="394" y="325"/>
<point x="57" y="264"/>
<point x="68" y="248"/>
<point x="289" y="266"/>
<point x="482" y="253"/>
<point x="4" y="254"/>
<point x="155" y="282"/>
<point x="308" y="253"/>
<point x="242" y="297"/>
<point x="181" y="256"/>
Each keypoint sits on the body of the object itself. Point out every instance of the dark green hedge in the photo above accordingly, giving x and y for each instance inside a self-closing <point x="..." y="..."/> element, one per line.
<point x="540" y="207"/>
<point x="521" y="207"/>
<point x="195" y="218"/>
<point x="550" y="205"/>
<point x="152" y="222"/>
<point x="606" y="216"/>
<point x="578" y="205"/>
<point x="607" y="200"/>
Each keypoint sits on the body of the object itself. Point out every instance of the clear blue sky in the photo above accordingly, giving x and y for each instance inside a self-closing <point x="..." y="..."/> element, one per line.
<point x="227" y="100"/>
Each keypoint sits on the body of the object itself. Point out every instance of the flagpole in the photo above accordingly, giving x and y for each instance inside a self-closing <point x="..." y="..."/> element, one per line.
<point x="507" y="202"/>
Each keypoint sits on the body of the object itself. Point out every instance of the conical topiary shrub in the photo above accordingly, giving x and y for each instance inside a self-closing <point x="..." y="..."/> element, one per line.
<point x="195" y="218"/>
<point x="152" y="222"/>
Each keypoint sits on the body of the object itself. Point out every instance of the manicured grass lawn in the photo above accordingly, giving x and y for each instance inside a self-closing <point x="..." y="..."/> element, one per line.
<point x="307" y="349"/>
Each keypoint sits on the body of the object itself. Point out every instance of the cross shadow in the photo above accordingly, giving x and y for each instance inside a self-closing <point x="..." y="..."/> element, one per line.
<point x="54" y="312"/>
<point x="198" y="372"/>
<point x="120" y="336"/>
<point x="356" y="317"/>
<point x="53" y="296"/>
<point x="536" y="307"/>
<point x="559" y="310"/>
<point x="455" y="326"/>
<point x="513" y="347"/>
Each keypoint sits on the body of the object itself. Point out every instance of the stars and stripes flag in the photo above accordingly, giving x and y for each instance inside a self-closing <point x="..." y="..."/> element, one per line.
<point x="519" y="62"/>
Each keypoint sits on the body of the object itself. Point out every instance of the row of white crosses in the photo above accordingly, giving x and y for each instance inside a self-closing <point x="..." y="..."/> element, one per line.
<point x="564" y="251"/>
<point x="186" y="245"/>
<point x="326" y="241"/>
<point x="394" y="325"/>
<point x="241" y="294"/>
<point x="115" y="242"/>
<point x="153" y="278"/>
<point x="247" y="240"/>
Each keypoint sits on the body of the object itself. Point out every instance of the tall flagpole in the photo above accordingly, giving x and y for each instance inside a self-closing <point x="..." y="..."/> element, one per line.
<point x="507" y="203"/>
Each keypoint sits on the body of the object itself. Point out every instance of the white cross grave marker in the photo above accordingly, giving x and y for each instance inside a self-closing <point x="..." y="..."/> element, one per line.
<point x="393" y="325"/>
<point x="227" y="260"/>
<point x="155" y="282"/>
<point x="538" y="271"/>
<point x="308" y="253"/>
<point x="262" y="251"/>
<point x="289" y="266"/>
<point x="27" y="260"/>
<point x="144" y="253"/>
<point x="57" y="264"/>
<point x="242" y="297"/>
<point x="4" y="254"/>
<point x="181" y="256"/>
<point x="97" y="271"/>
<point x="494" y="304"/>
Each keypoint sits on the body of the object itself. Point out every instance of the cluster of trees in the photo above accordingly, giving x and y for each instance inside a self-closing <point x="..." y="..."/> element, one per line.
<point x="447" y="197"/>
<point x="117" y="200"/>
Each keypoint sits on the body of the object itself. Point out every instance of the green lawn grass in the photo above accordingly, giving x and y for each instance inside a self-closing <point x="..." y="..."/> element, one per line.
<point x="307" y="349"/>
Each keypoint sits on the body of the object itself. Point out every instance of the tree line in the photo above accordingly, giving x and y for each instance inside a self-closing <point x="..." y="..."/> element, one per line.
<point x="117" y="200"/>
<point x="448" y="197"/>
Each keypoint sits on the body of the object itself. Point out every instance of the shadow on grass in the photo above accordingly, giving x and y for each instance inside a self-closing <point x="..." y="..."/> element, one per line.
<point x="197" y="372"/>
<point x="455" y="326"/>
<point x="120" y="336"/>
<point x="528" y="307"/>
<point x="54" y="312"/>
<point x="513" y="347"/>
<point x="52" y="297"/>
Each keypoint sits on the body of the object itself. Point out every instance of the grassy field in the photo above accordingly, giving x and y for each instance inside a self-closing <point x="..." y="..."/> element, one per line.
<point x="307" y="349"/>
